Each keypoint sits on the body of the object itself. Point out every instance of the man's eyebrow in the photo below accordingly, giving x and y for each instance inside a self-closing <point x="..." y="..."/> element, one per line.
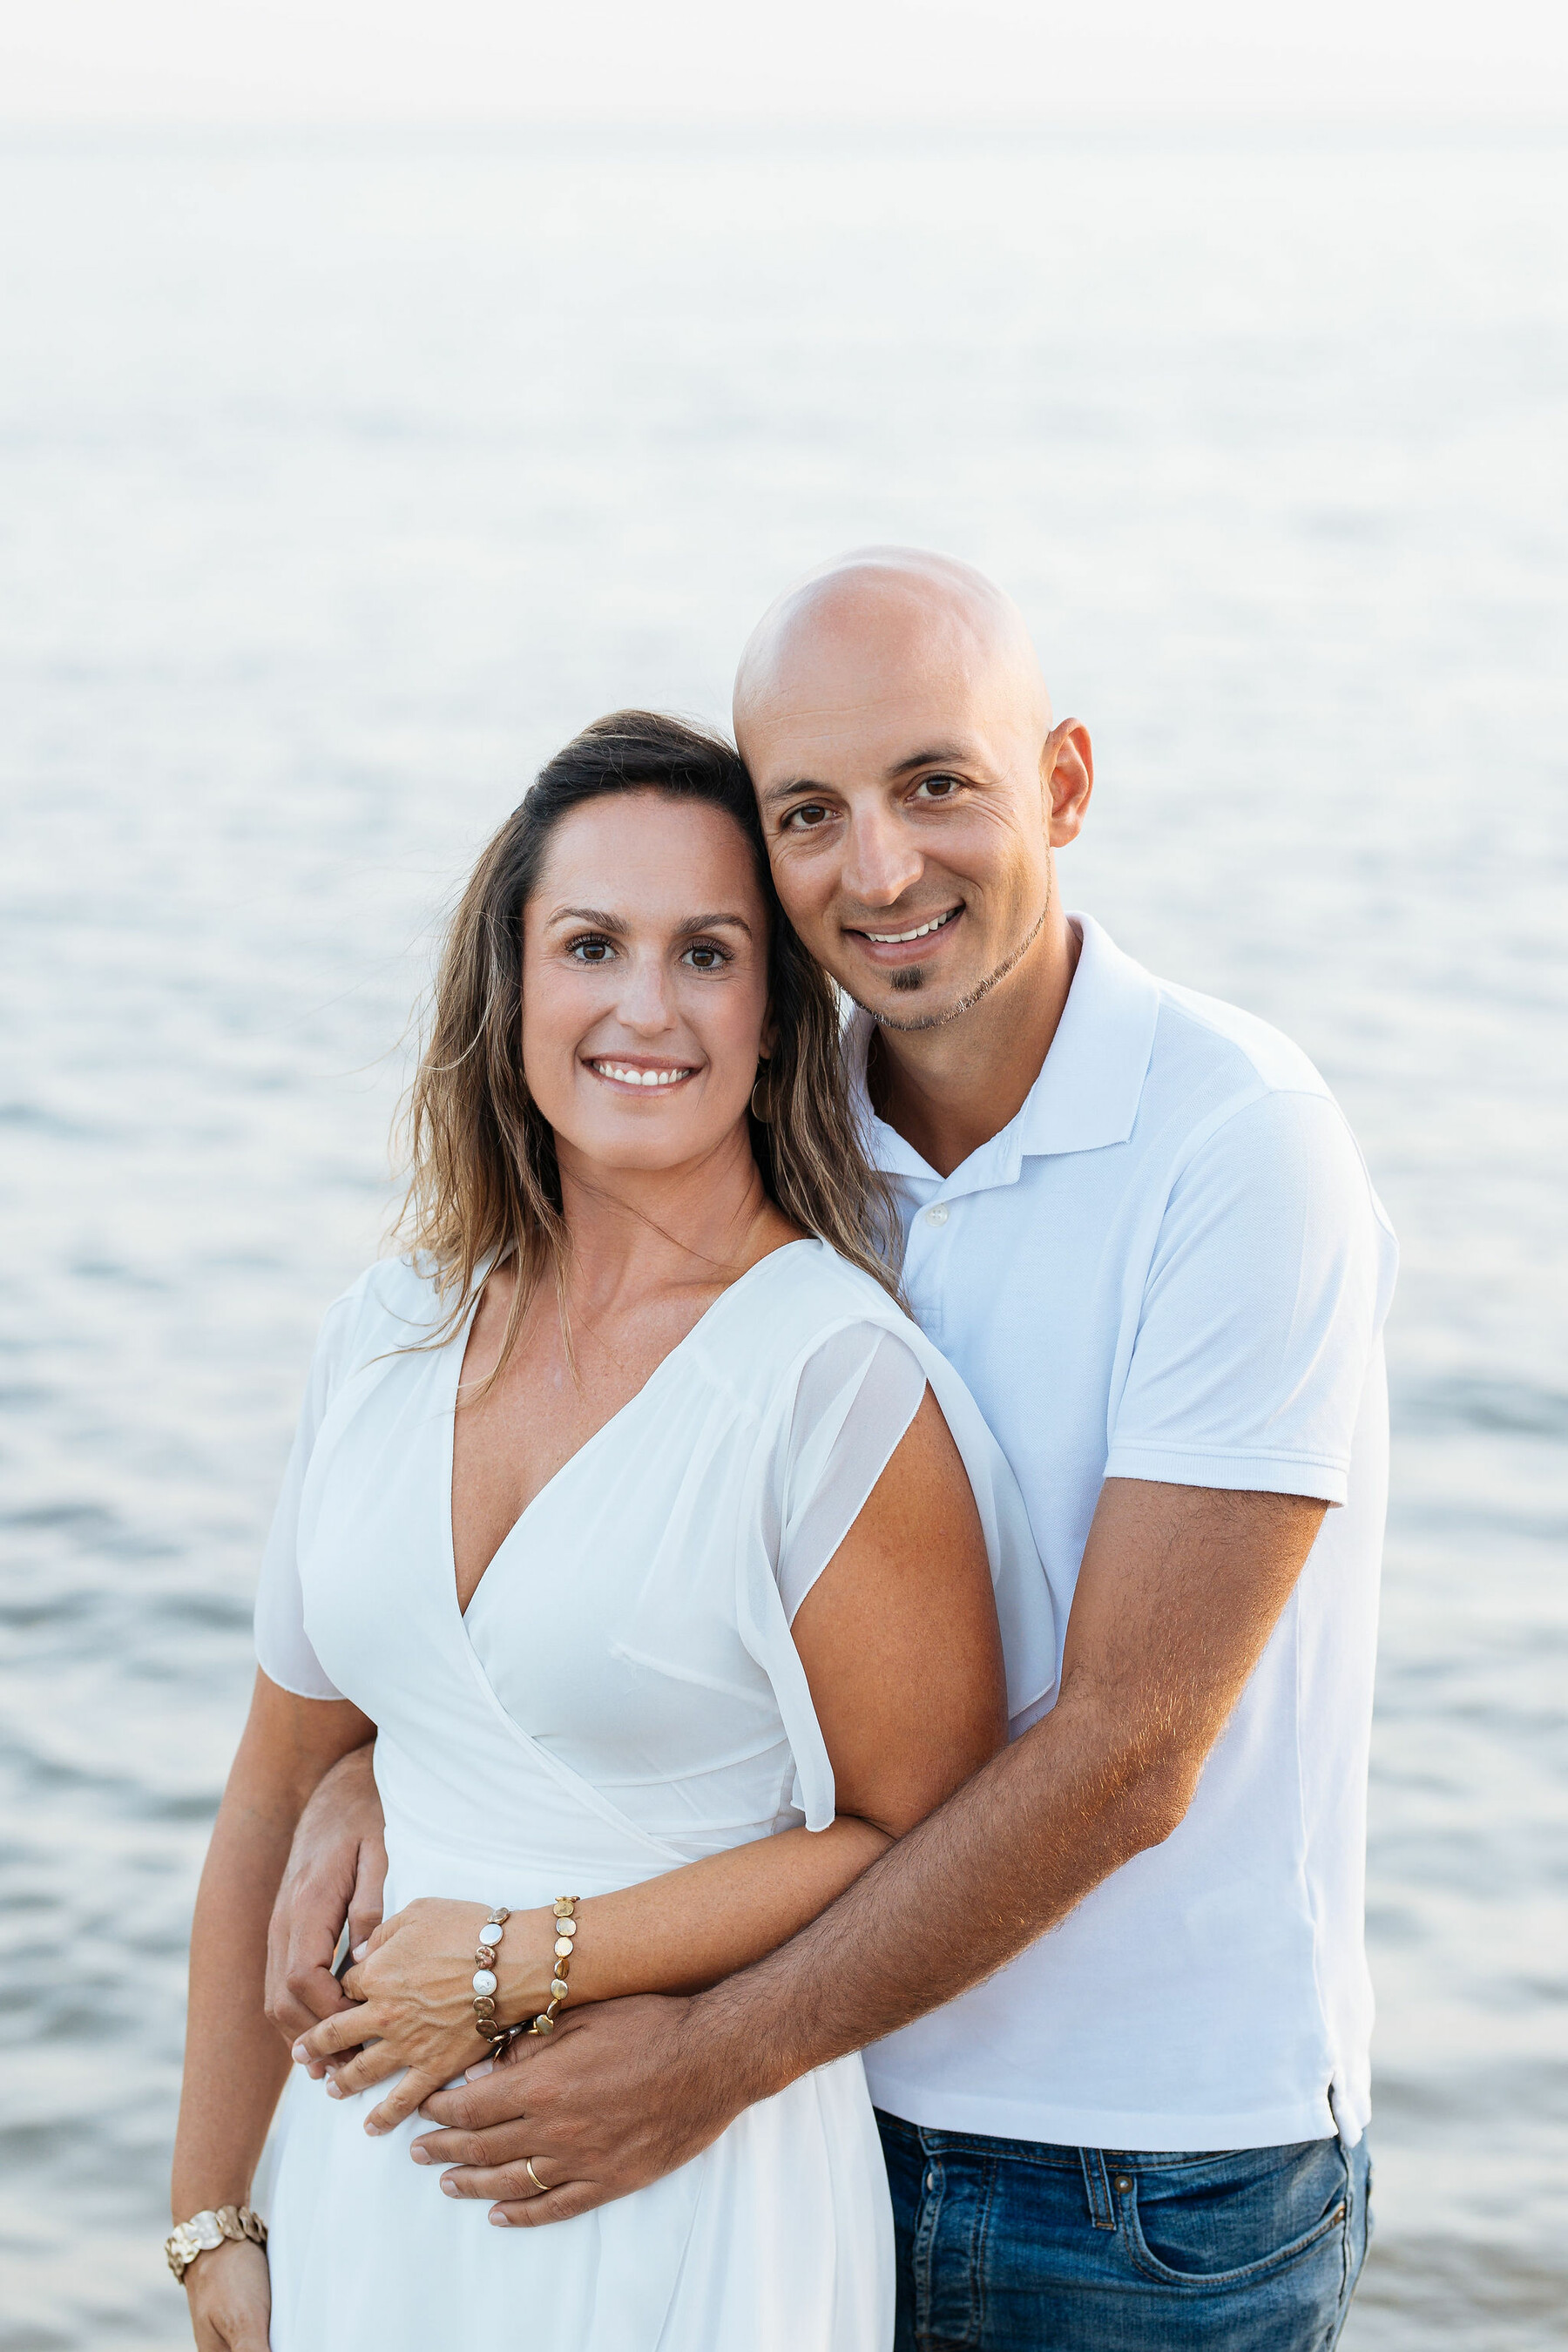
<point x="936" y="755"/>
<point x="776" y="793"/>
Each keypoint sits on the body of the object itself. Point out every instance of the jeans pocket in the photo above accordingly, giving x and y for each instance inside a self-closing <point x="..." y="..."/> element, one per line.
<point x="1234" y="2222"/>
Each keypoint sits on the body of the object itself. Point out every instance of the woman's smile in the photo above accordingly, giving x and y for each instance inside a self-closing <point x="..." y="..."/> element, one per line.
<point x="633" y="1070"/>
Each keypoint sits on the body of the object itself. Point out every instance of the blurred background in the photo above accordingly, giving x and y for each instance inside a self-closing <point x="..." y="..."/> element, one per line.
<point x="387" y="392"/>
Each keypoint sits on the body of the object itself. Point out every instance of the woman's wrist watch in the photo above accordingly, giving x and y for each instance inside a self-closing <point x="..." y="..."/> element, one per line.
<point x="204" y="2231"/>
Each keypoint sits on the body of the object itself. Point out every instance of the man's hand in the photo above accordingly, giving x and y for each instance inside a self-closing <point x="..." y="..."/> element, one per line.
<point x="1179" y="1591"/>
<point x="615" y="2098"/>
<point x="337" y="1868"/>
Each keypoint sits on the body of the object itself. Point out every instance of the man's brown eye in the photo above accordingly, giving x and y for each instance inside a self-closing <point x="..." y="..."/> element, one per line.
<point x="811" y="814"/>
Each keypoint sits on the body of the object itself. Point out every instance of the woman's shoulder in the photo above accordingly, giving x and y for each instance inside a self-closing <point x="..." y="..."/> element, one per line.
<point x="796" y="1299"/>
<point x="396" y="1302"/>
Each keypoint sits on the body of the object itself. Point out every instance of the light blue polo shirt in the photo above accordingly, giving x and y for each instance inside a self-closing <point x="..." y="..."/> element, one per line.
<point x="1171" y="1265"/>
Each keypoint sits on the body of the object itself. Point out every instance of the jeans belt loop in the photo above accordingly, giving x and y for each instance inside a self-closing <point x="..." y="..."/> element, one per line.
<point x="1097" y="2187"/>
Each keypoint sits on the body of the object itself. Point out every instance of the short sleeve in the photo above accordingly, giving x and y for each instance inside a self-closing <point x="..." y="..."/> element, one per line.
<point x="855" y="1398"/>
<point x="283" y="1650"/>
<point x="1262" y="1308"/>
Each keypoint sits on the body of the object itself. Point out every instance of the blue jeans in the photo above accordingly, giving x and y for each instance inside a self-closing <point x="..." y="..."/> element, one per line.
<point x="1007" y="2246"/>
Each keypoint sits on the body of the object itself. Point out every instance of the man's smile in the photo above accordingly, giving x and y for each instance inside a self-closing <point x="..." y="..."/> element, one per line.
<point x="905" y="938"/>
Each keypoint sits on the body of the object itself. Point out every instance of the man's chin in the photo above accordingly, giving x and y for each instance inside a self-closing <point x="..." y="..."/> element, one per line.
<point x="913" y="1000"/>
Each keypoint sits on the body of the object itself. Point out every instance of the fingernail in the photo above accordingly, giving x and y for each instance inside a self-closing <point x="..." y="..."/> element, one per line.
<point x="361" y="1949"/>
<point x="420" y="2154"/>
<point x="300" y="2054"/>
<point x="502" y="2220"/>
<point x="448" y="2185"/>
<point x="334" y="2090"/>
<point x="474" y="2073"/>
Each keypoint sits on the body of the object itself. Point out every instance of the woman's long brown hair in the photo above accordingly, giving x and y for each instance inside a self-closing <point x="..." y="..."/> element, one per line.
<point x="483" y="1181"/>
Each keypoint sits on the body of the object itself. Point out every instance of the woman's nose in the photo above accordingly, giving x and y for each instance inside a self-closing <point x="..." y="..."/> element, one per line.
<point x="645" y="1001"/>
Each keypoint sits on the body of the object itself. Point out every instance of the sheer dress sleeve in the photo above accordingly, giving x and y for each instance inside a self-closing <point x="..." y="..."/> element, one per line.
<point x="852" y="1399"/>
<point x="857" y="1398"/>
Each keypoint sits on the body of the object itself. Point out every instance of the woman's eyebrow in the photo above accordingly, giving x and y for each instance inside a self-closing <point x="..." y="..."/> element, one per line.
<point x="717" y="923"/>
<point x="617" y="926"/>
<point x="594" y="915"/>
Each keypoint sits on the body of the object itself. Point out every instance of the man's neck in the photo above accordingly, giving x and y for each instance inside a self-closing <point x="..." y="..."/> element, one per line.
<point x="949" y="1090"/>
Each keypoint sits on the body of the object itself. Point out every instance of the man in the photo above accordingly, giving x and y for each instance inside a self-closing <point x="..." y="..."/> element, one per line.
<point x="1116" y="1985"/>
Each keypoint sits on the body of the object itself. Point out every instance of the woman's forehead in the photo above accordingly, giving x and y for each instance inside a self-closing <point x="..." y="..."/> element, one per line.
<point x="646" y="851"/>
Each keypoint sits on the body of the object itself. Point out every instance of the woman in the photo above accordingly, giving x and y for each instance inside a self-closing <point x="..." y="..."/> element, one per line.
<point x="658" y="1548"/>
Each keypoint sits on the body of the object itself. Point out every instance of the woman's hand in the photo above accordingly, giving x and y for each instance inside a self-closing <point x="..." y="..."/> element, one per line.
<point x="414" y="1998"/>
<point x="230" y="2297"/>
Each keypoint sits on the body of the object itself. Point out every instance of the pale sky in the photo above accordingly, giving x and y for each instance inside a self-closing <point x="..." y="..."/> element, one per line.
<point x="1020" y="61"/>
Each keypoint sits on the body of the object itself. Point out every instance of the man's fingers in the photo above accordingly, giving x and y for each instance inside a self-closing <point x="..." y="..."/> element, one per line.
<point x="497" y="2097"/>
<point x="505" y="2182"/>
<point x="557" y="2205"/>
<point x="366" y="1904"/>
<point x="503" y="2144"/>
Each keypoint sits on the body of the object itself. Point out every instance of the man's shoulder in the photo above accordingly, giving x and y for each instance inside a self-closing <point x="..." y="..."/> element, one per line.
<point x="1202" y="1038"/>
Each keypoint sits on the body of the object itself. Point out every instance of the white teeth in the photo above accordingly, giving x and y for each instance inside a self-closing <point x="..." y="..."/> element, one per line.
<point x="627" y="1077"/>
<point x="897" y="939"/>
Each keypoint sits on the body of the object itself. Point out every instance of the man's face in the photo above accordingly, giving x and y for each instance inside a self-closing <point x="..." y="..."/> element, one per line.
<point x="904" y="783"/>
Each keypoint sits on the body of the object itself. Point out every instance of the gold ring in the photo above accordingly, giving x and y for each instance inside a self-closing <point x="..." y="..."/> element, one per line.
<point x="528" y="2168"/>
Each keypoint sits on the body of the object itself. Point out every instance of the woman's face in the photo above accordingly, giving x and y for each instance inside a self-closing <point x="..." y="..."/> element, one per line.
<point x="645" y="981"/>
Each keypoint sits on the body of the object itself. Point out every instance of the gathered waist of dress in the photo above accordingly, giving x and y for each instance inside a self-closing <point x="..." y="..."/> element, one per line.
<point x="521" y="1835"/>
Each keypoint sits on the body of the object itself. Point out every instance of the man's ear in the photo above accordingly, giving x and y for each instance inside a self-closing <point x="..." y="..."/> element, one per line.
<point x="1067" y="771"/>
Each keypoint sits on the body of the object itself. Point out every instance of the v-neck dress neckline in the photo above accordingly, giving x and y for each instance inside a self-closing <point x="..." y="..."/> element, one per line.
<point x="459" y="1349"/>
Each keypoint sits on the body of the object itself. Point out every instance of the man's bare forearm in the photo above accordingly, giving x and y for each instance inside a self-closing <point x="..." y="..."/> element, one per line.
<point x="1003" y="1861"/>
<point x="1180" y="1589"/>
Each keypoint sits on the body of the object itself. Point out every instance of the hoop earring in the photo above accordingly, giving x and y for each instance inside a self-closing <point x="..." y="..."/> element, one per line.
<point x="762" y="1110"/>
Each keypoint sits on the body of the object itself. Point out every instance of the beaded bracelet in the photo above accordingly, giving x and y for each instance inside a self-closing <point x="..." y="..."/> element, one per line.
<point x="565" y="1933"/>
<point x="486" y="2023"/>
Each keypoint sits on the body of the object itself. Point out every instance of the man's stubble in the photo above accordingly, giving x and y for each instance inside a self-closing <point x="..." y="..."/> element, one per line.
<point x="912" y="978"/>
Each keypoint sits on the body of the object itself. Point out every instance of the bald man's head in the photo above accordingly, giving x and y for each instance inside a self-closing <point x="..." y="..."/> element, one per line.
<point x="896" y="723"/>
<point x="867" y="617"/>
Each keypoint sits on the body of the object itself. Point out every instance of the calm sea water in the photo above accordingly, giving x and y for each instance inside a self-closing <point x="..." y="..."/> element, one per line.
<point x="338" y="482"/>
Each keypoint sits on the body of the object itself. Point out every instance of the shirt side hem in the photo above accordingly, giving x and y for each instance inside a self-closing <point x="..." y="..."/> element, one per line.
<point x="1256" y="1473"/>
<point x="1150" y="2132"/>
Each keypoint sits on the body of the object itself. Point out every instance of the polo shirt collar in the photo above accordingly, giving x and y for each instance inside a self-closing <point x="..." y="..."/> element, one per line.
<point x="1089" y="1086"/>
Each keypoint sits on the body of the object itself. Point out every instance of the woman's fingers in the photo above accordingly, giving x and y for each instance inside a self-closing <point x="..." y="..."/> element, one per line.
<point x="372" y="2065"/>
<point x="402" y="2101"/>
<point x="335" y="2034"/>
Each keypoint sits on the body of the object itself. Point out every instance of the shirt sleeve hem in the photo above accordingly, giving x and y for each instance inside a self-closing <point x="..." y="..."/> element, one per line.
<point x="1253" y="1474"/>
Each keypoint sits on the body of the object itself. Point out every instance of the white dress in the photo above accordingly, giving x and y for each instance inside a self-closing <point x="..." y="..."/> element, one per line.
<point x="622" y="1696"/>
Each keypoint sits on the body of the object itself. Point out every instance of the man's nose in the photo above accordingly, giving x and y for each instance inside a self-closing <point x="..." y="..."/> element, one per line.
<point x="881" y="861"/>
